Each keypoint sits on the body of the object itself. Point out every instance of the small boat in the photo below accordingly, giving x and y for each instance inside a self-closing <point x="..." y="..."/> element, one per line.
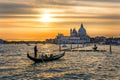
<point x="94" y="48"/>
<point x="64" y="45"/>
<point x="55" y="57"/>
<point x="27" y="44"/>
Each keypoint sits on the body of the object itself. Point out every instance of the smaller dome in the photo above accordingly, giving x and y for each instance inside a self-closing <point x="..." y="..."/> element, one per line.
<point x="74" y="32"/>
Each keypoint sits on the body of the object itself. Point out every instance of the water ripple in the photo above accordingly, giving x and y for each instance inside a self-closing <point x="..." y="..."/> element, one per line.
<point x="74" y="65"/>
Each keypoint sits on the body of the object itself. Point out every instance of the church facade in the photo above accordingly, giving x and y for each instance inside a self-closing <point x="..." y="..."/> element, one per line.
<point x="76" y="37"/>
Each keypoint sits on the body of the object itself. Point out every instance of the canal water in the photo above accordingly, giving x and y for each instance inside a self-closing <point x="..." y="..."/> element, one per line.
<point x="14" y="63"/>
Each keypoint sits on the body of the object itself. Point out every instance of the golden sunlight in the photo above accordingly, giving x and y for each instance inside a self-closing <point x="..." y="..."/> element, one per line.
<point x="46" y="18"/>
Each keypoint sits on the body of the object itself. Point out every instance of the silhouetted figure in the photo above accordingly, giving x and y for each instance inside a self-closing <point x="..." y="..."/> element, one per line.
<point x="42" y="56"/>
<point x="46" y="56"/>
<point x="95" y="47"/>
<point x="35" y="51"/>
<point x="51" y="56"/>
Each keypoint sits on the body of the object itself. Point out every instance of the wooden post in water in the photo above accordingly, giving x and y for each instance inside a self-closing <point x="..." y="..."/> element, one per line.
<point x="60" y="46"/>
<point x="83" y="44"/>
<point x="111" y="46"/>
<point x="77" y="45"/>
<point x="110" y="49"/>
<point x="71" y="46"/>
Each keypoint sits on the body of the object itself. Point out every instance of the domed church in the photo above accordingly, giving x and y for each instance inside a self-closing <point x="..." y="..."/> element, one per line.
<point x="81" y="32"/>
<point x="75" y="37"/>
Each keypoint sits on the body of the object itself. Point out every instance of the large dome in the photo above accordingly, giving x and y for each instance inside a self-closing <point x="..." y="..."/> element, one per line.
<point x="81" y="31"/>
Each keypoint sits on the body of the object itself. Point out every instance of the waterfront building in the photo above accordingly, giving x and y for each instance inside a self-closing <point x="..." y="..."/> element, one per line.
<point x="1" y="41"/>
<point x="75" y="37"/>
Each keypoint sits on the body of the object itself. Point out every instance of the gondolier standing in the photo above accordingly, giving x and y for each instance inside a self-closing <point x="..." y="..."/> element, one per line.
<point x="35" y="51"/>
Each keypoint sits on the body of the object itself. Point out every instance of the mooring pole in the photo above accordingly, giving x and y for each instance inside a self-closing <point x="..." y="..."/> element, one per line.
<point x="111" y="45"/>
<point x="60" y="46"/>
<point x="83" y="44"/>
<point x="71" y="46"/>
<point x="110" y="49"/>
<point x="77" y="45"/>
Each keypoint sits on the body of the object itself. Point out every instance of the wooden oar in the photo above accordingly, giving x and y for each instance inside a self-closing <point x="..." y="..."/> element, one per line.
<point x="43" y="59"/>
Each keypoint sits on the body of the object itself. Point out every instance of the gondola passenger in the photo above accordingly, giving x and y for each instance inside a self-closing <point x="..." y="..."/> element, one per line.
<point x="51" y="55"/>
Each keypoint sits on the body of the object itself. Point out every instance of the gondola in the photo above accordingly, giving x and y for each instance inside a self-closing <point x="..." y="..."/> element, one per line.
<point x="55" y="57"/>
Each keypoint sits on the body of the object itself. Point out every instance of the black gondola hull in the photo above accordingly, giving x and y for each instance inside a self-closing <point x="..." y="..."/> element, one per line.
<point x="45" y="60"/>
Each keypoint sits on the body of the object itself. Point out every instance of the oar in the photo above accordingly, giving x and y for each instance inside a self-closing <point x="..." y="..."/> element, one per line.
<point x="43" y="60"/>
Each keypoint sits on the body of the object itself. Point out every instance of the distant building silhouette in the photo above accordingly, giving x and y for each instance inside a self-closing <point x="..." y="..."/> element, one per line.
<point x="2" y="41"/>
<point x="115" y="41"/>
<point x="75" y="37"/>
<point x="100" y="39"/>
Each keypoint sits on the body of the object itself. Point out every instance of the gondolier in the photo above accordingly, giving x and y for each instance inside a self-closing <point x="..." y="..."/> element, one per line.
<point x="95" y="47"/>
<point x="35" y="51"/>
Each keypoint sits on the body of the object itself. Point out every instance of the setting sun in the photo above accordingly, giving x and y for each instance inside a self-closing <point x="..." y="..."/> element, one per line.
<point x="46" y="18"/>
<point x="33" y="19"/>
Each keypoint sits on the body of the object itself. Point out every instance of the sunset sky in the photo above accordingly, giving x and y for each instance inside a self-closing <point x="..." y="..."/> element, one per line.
<point x="42" y="19"/>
